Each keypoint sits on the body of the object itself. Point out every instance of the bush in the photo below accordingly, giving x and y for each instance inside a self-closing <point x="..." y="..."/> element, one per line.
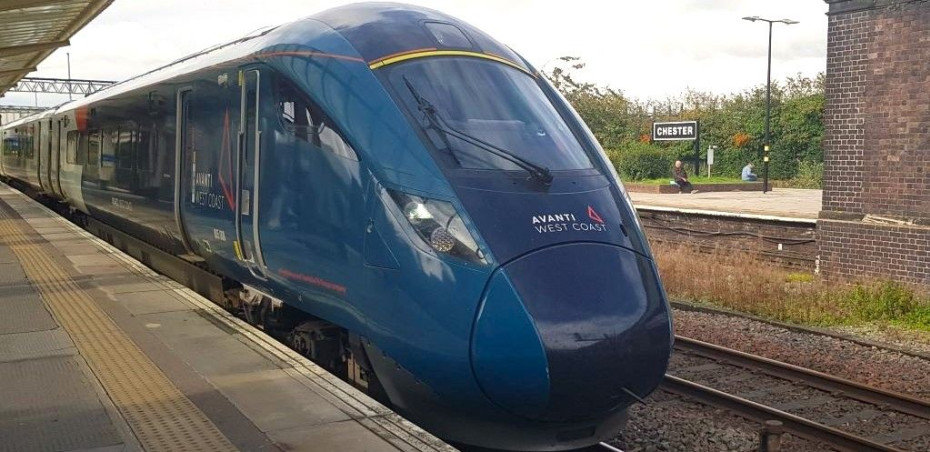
<point x="810" y="175"/>
<point x="886" y="301"/>
<point x="638" y="161"/>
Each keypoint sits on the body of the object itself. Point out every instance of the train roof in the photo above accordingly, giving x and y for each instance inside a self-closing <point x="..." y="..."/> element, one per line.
<point x="380" y="30"/>
<point x="376" y="31"/>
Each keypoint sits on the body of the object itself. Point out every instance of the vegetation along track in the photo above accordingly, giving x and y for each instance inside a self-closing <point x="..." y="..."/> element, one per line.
<point x="844" y="414"/>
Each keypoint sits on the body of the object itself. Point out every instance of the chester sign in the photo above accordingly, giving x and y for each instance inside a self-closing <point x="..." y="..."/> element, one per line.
<point x="675" y="131"/>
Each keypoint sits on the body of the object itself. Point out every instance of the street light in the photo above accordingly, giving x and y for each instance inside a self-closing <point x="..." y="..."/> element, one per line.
<point x="768" y="98"/>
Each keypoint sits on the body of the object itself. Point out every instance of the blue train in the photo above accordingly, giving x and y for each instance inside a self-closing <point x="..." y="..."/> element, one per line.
<point x="407" y="198"/>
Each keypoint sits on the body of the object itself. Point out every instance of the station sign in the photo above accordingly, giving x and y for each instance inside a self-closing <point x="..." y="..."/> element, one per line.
<point x="675" y="131"/>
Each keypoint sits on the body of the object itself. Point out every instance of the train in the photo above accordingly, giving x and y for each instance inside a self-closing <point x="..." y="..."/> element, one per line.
<point x="406" y="200"/>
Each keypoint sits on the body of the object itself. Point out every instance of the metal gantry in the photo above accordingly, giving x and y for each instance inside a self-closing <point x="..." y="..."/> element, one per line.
<point x="20" y="109"/>
<point x="59" y="86"/>
<point x="10" y="113"/>
<point x="30" y="30"/>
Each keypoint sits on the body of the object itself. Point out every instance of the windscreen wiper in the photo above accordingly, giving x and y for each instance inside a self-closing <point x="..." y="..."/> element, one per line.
<point x="436" y="121"/>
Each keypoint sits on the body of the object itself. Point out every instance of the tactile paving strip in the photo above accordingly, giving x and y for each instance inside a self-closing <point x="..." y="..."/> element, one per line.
<point x="160" y="416"/>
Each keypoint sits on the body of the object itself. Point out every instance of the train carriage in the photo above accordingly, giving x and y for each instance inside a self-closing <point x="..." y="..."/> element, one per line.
<point x="405" y="199"/>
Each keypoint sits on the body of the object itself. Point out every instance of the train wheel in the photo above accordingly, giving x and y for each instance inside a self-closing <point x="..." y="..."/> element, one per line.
<point x="322" y="343"/>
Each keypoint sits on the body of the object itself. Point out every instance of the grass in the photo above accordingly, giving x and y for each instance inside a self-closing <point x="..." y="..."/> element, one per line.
<point x="743" y="283"/>
<point x="796" y="183"/>
<point x="693" y="179"/>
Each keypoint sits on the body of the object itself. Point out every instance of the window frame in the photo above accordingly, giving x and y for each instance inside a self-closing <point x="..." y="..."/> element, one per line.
<point x="289" y="128"/>
<point x="444" y="159"/>
<point x="121" y="153"/>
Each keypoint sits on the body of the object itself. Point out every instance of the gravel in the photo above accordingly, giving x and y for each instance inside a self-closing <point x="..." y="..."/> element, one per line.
<point x="670" y="423"/>
<point x="870" y="365"/>
<point x="675" y="424"/>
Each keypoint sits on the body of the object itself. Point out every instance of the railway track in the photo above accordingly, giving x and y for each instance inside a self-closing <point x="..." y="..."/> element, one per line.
<point x="847" y="415"/>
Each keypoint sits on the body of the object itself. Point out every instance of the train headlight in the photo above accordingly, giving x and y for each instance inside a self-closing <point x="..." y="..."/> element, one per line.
<point x="439" y="225"/>
<point x="417" y="212"/>
<point x="441" y="240"/>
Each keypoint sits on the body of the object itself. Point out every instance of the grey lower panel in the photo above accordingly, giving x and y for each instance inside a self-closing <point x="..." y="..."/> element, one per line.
<point x="48" y="405"/>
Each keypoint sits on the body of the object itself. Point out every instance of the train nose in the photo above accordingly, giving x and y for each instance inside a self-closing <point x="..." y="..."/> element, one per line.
<point x="571" y="331"/>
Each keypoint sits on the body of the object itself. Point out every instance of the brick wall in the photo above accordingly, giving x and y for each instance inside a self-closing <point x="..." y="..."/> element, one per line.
<point x="843" y="111"/>
<point x="877" y="141"/>
<point x="757" y="237"/>
<point x="896" y="181"/>
<point x="857" y="250"/>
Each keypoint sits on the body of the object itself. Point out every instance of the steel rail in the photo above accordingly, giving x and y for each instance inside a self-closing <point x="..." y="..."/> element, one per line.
<point x="848" y="388"/>
<point x="797" y="425"/>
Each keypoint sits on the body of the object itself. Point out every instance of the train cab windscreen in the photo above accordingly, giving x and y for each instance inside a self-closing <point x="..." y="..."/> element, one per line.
<point x="486" y="115"/>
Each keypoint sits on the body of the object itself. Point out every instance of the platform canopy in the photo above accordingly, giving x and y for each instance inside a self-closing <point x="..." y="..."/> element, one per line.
<point x="30" y="30"/>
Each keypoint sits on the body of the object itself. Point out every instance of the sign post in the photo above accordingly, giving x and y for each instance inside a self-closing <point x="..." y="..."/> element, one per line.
<point x="680" y="131"/>
<point x="710" y="158"/>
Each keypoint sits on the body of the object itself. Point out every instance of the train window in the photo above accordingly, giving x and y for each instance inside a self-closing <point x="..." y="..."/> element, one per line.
<point x="503" y="106"/>
<point x="93" y="148"/>
<point x="108" y="145"/>
<point x="28" y="150"/>
<point x="124" y="148"/>
<point x="71" y="148"/>
<point x="305" y="120"/>
<point x="82" y="149"/>
<point x="141" y="143"/>
<point x="10" y="143"/>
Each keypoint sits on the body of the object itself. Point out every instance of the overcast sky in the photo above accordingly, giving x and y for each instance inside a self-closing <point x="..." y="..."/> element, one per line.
<point x="647" y="49"/>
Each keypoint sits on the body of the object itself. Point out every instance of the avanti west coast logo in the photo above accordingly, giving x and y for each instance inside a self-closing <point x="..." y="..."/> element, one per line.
<point x="552" y="223"/>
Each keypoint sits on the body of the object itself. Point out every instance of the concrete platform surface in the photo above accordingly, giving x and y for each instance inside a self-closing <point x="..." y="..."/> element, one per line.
<point x="780" y="202"/>
<point x="98" y="352"/>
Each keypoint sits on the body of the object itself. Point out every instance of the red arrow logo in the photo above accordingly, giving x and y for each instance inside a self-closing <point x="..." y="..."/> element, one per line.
<point x="594" y="216"/>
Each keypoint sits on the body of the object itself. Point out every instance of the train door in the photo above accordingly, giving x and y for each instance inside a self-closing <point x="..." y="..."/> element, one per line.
<point x="55" y="159"/>
<point x="31" y="162"/>
<point x="45" y="158"/>
<point x="45" y="140"/>
<point x="248" y="172"/>
<point x="183" y="148"/>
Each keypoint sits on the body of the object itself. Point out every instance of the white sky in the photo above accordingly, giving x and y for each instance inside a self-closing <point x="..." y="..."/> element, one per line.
<point x="647" y="49"/>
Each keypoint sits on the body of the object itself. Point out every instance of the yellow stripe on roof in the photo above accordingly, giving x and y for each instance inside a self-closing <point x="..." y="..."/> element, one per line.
<point x="435" y="53"/>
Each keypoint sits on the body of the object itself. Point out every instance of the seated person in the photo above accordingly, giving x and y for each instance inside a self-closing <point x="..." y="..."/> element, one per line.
<point x="748" y="175"/>
<point x="681" y="178"/>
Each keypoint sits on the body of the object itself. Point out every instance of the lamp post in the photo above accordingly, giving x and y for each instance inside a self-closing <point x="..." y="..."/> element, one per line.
<point x="768" y="98"/>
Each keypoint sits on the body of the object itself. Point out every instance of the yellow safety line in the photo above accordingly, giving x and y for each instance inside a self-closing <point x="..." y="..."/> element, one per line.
<point x="159" y="414"/>
<point x="434" y="53"/>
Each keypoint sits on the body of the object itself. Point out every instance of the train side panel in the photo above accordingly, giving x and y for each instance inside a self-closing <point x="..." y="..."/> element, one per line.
<point x="71" y="169"/>
<point x="19" y="153"/>
<point x="118" y="164"/>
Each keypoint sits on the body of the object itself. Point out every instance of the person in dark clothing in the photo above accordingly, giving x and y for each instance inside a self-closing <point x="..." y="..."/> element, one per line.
<point x="681" y="178"/>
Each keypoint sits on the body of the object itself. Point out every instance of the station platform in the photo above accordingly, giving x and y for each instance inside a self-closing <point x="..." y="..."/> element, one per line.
<point x="98" y="352"/>
<point x="788" y="204"/>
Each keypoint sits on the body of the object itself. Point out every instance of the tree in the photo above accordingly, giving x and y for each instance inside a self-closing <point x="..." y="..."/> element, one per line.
<point x="733" y="122"/>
